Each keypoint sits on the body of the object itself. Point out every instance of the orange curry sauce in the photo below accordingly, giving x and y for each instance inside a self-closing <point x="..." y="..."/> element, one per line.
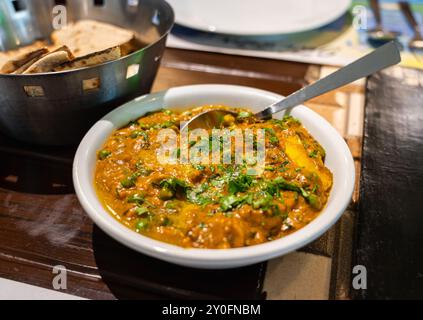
<point x="212" y="206"/>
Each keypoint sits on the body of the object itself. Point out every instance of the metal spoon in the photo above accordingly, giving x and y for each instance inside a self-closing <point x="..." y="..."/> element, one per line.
<point x="386" y="56"/>
<point x="417" y="41"/>
<point x="378" y="34"/>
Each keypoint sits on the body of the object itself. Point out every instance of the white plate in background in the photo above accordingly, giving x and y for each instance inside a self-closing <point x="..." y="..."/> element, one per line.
<point x="257" y="17"/>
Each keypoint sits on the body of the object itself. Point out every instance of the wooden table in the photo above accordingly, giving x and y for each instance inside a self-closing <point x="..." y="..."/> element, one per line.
<point x="42" y="224"/>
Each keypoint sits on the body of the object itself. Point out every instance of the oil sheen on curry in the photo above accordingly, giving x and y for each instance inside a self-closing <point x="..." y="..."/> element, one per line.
<point x="213" y="206"/>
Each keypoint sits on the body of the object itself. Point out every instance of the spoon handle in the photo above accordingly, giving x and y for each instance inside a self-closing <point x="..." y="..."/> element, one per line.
<point x="383" y="57"/>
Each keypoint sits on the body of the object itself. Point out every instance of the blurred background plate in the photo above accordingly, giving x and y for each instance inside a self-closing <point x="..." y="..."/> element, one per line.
<point x="252" y="17"/>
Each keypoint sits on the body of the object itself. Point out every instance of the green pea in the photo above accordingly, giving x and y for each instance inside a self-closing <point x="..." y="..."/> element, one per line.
<point x="315" y="202"/>
<point x="166" y="194"/>
<point x="167" y="124"/>
<point x="244" y="115"/>
<point x="128" y="183"/>
<point x="166" y="222"/>
<point x="104" y="154"/>
<point x="141" y="225"/>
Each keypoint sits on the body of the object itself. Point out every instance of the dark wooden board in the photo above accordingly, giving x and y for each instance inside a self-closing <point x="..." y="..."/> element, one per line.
<point x="390" y="228"/>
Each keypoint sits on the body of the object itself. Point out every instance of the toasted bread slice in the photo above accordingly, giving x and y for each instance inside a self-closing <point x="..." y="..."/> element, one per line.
<point x="87" y="36"/>
<point x="49" y="61"/>
<point x="91" y="59"/>
<point x="12" y="65"/>
<point x="22" y="69"/>
<point x="7" y="56"/>
<point x="85" y="43"/>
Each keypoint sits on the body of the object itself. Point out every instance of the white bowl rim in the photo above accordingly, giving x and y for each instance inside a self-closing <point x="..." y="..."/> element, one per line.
<point x="209" y="257"/>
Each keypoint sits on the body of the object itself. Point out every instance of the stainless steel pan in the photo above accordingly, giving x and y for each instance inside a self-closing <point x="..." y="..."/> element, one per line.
<point x="58" y="108"/>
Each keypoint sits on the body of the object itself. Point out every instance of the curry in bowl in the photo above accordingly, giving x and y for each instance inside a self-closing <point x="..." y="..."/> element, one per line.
<point x="213" y="206"/>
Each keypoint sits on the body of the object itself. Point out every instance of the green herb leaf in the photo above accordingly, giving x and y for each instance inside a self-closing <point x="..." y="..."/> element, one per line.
<point x="281" y="183"/>
<point x="263" y="202"/>
<point x="136" y="198"/>
<point x="240" y="184"/>
<point x="174" y="184"/>
<point x="313" y="154"/>
<point x="232" y="202"/>
<point x="170" y="187"/>
<point x="142" y="211"/>
<point x="274" y="140"/>
<point x="270" y="168"/>
<point x="229" y="202"/>
<point x="244" y="115"/>
<point x="142" y="171"/>
<point x="199" y="167"/>
<point x="167" y="124"/>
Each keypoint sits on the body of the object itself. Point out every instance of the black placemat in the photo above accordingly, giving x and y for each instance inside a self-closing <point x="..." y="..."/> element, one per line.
<point x="146" y="274"/>
<point x="390" y="228"/>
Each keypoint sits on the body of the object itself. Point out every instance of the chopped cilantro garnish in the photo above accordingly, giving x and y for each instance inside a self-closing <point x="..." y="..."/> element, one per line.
<point x="244" y="115"/>
<point x="138" y="133"/>
<point x="142" y="171"/>
<point x="136" y="198"/>
<point x="230" y="202"/>
<point x="240" y="184"/>
<point x="171" y="187"/>
<point x="142" y="211"/>
<point x="167" y="124"/>
<point x="199" y="167"/>
<point x="313" y="154"/>
<point x="263" y="202"/>
<point x="274" y="140"/>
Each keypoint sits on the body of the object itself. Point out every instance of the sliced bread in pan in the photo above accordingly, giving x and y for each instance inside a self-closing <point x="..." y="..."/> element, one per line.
<point x="49" y="61"/>
<point x="16" y="63"/>
<point x="87" y="36"/>
<point x="92" y="59"/>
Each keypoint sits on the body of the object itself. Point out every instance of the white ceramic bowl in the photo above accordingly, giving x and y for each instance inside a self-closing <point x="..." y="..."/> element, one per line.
<point x="338" y="160"/>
